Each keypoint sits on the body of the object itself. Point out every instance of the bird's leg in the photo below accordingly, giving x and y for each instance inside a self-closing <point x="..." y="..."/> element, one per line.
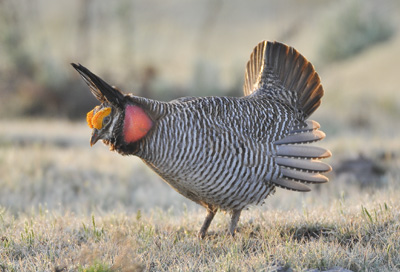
<point x="211" y="211"/>
<point x="234" y="220"/>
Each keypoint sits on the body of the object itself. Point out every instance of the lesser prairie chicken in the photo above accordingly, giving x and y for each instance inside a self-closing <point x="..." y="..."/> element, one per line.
<point x="224" y="153"/>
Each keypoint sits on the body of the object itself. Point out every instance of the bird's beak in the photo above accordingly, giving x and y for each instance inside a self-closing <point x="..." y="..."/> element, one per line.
<point x="95" y="137"/>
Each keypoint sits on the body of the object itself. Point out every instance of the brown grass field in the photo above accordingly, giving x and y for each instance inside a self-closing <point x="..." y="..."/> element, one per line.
<point x="68" y="206"/>
<point x="65" y="206"/>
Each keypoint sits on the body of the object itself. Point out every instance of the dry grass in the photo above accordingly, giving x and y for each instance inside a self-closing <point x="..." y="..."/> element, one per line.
<point x="360" y="238"/>
<point x="67" y="207"/>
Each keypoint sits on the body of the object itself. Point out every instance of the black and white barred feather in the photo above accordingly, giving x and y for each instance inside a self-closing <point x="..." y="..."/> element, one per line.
<point x="226" y="152"/>
<point x="232" y="152"/>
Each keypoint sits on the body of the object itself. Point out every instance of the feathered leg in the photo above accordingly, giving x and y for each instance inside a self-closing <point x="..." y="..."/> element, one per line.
<point x="211" y="211"/>
<point x="234" y="220"/>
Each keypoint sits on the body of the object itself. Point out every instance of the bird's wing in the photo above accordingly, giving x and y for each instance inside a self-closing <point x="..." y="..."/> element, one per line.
<point x="298" y="161"/>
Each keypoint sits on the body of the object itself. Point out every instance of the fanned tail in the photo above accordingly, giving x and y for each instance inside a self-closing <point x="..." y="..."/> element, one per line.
<point x="281" y="72"/>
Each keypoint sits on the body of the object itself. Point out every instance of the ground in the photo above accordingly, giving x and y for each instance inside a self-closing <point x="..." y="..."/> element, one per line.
<point x="67" y="207"/>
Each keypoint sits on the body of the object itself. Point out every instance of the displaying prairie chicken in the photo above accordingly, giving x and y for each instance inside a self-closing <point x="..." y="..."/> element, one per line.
<point x="224" y="153"/>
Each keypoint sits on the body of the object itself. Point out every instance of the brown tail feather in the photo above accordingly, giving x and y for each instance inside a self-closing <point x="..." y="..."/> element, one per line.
<point x="282" y="72"/>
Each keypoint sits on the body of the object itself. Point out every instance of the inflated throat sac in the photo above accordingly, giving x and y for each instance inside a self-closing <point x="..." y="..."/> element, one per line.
<point x="136" y="124"/>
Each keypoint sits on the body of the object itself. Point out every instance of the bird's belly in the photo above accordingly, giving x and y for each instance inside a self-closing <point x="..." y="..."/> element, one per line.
<point x="230" y="179"/>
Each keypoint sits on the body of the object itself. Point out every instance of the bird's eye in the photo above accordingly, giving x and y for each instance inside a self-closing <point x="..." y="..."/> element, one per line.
<point x="106" y="120"/>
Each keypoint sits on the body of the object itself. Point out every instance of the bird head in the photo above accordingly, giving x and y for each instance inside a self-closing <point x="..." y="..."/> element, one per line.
<point x="118" y="121"/>
<point x="102" y="119"/>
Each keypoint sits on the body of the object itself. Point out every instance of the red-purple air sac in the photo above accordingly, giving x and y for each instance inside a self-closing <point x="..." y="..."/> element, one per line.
<point x="136" y="124"/>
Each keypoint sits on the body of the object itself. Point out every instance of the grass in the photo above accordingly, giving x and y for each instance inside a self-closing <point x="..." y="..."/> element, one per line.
<point x="357" y="238"/>
<point x="67" y="207"/>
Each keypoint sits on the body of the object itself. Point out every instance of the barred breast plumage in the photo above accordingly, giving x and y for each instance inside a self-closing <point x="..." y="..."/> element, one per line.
<point x="224" y="152"/>
<point x="218" y="154"/>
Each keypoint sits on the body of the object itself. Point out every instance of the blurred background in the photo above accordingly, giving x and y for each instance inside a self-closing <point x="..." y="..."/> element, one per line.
<point x="167" y="49"/>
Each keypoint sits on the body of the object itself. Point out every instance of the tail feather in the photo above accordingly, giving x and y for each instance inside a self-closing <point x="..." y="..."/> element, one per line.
<point x="282" y="72"/>
<point x="313" y="101"/>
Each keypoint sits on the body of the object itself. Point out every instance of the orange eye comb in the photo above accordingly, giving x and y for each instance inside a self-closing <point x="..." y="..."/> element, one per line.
<point x="96" y="121"/>
<point x="89" y="117"/>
